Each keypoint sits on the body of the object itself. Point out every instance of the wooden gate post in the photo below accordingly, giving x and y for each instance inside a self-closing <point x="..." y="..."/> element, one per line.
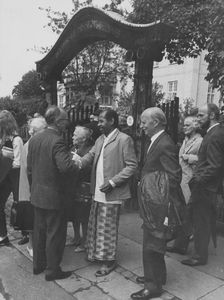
<point x="143" y="95"/>
<point x="51" y="92"/>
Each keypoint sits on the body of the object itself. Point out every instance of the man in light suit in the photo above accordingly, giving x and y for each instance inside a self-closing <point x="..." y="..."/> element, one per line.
<point x="48" y="161"/>
<point x="206" y="182"/>
<point x="159" y="187"/>
<point x="114" y="162"/>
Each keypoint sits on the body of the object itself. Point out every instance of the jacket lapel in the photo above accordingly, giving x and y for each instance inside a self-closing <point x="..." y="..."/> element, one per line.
<point x="112" y="138"/>
<point x="154" y="145"/>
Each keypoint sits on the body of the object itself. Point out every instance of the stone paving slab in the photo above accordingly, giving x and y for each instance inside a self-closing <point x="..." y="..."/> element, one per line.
<point x="19" y="283"/>
<point x="118" y="287"/>
<point x="217" y="294"/>
<point x="130" y="226"/>
<point x="129" y="254"/>
<point x="93" y="293"/>
<point x="188" y="283"/>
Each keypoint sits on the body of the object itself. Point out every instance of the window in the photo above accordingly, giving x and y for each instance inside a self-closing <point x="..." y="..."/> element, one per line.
<point x="172" y="89"/>
<point x="156" y="64"/>
<point x="210" y="94"/>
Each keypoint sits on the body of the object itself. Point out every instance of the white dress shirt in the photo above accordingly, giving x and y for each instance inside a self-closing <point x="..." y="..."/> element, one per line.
<point x="100" y="196"/>
<point x="154" y="137"/>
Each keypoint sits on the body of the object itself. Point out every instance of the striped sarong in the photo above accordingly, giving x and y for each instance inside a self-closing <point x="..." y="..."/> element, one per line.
<point x="102" y="232"/>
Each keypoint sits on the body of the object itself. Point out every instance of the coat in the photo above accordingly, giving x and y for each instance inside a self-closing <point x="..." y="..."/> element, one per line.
<point x="48" y="162"/>
<point x="160" y="187"/>
<point x="189" y="149"/>
<point x="24" y="187"/>
<point x="208" y="173"/>
<point x="119" y="164"/>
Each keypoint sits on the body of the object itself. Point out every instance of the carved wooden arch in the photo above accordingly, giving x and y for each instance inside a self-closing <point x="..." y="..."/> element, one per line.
<point x="145" y="43"/>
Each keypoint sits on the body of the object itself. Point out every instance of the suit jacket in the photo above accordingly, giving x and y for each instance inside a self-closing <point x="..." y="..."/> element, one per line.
<point x="119" y="164"/>
<point x="208" y="173"/>
<point x="48" y="161"/>
<point x="163" y="156"/>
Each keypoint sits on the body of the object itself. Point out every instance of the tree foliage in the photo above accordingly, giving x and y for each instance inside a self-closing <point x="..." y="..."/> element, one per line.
<point x="199" y="26"/>
<point x="22" y="109"/>
<point x="28" y="87"/>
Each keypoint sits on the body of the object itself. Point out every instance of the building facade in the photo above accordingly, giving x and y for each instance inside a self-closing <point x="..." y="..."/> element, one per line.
<point x="186" y="81"/>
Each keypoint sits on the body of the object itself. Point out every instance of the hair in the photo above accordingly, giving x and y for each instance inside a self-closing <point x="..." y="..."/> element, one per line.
<point x="87" y="131"/>
<point x="37" y="124"/>
<point x="194" y="121"/>
<point x="212" y="108"/>
<point x="8" y="125"/>
<point x="110" y="115"/>
<point x="52" y="114"/>
<point x="88" y="134"/>
<point x="157" y="114"/>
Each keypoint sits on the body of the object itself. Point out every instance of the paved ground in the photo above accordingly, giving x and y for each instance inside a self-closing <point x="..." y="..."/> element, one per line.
<point x="17" y="281"/>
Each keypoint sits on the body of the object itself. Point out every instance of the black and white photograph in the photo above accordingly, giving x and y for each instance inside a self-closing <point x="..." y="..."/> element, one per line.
<point x="111" y="149"/>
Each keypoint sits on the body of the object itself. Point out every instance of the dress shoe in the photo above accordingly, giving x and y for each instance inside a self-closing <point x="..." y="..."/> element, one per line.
<point x="38" y="271"/>
<point x="4" y="242"/>
<point x="173" y="249"/>
<point x="58" y="275"/>
<point x="192" y="262"/>
<point x="141" y="280"/>
<point x="23" y="240"/>
<point x="146" y="294"/>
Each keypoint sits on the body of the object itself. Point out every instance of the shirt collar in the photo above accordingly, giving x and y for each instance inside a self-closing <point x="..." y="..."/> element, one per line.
<point x="156" y="135"/>
<point x="106" y="138"/>
<point x="212" y="126"/>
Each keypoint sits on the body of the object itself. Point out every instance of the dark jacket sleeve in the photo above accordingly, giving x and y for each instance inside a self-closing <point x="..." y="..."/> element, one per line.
<point x="215" y="157"/>
<point x="62" y="157"/>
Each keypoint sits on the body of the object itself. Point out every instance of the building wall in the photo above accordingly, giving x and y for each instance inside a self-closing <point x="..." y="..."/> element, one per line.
<point x="190" y="77"/>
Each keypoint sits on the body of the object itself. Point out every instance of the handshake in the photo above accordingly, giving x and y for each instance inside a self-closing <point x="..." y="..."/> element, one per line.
<point x="77" y="159"/>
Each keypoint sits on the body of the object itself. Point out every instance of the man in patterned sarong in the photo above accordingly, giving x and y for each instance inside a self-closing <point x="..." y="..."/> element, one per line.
<point x="114" y="162"/>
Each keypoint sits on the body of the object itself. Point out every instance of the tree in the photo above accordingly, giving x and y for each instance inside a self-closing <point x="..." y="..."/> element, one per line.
<point x="99" y="63"/>
<point x="28" y="87"/>
<point x="199" y="26"/>
<point x="126" y="99"/>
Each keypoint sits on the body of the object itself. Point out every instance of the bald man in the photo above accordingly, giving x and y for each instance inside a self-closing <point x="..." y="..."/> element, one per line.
<point x="159" y="187"/>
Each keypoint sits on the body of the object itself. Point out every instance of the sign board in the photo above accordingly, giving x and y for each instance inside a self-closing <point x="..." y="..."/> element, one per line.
<point x="130" y="121"/>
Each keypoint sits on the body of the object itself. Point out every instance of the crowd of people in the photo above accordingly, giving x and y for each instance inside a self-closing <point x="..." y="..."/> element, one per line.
<point x="88" y="183"/>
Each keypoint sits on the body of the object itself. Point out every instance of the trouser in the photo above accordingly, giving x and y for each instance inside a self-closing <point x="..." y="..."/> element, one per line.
<point x="49" y="237"/>
<point x="183" y="239"/>
<point x="204" y="216"/>
<point x="8" y="185"/>
<point x="153" y="261"/>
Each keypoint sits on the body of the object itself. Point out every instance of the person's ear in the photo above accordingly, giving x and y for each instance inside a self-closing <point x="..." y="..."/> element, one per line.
<point x="212" y="115"/>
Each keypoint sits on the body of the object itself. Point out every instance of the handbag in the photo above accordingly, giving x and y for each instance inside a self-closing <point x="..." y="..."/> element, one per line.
<point x="22" y="215"/>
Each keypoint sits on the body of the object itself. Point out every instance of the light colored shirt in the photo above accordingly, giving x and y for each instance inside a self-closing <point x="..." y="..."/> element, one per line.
<point x="100" y="196"/>
<point x="17" y="144"/>
<point x="154" y="137"/>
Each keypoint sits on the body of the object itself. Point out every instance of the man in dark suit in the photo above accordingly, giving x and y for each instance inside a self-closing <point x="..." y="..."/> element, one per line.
<point x="161" y="166"/>
<point x="47" y="162"/>
<point x="206" y="182"/>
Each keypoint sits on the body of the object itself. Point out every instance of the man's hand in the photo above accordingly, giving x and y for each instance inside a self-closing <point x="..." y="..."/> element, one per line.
<point x="106" y="187"/>
<point x="77" y="159"/>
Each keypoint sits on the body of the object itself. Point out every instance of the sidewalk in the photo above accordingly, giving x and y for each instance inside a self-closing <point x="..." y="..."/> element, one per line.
<point x="185" y="283"/>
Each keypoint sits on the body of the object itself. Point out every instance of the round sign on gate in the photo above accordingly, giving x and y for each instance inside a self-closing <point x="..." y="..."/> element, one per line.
<point x="130" y="120"/>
